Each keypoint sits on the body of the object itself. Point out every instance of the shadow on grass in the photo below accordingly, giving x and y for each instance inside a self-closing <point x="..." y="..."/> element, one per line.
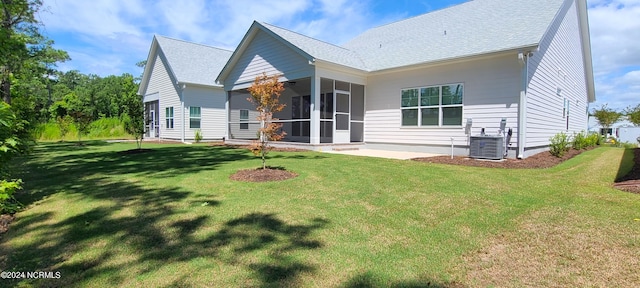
<point x="123" y="231"/>
<point x="55" y="167"/>
<point x="629" y="168"/>
<point x="370" y="280"/>
<point x="71" y="145"/>
<point x="138" y="231"/>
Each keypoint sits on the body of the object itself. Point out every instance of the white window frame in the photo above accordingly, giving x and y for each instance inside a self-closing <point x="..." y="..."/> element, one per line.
<point x="440" y="106"/>
<point x="193" y="118"/>
<point x="169" y="117"/>
<point x="244" y="122"/>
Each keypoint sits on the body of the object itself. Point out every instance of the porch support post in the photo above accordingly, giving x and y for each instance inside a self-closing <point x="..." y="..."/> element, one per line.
<point x="182" y="108"/>
<point x="227" y="115"/>
<point x="315" y="110"/>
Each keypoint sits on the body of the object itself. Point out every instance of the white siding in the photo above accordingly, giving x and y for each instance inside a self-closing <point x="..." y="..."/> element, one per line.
<point x="558" y="64"/>
<point x="266" y="54"/>
<point x="238" y="101"/>
<point x="211" y="101"/>
<point x="162" y="83"/>
<point x="491" y="91"/>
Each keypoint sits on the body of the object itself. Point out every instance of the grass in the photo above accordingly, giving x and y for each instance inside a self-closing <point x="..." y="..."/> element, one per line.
<point x="172" y="218"/>
<point x="101" y="129"/>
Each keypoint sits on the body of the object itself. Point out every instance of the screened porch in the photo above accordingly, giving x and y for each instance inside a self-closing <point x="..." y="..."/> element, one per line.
<point x="338" y="117"/>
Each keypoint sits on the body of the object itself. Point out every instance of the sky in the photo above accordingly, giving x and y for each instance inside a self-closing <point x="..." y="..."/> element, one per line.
<point x="108" y="37"/>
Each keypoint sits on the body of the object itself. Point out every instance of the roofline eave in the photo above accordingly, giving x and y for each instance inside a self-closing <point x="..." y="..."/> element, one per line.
<point x="180" y="83"/>
<point x="339" y="66"/>
<point x="144" y="82"/>
<point x="531" y="47"/>
<point x="583" y="18"/>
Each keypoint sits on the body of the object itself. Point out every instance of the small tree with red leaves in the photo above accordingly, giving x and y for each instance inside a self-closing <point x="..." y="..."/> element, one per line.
<point x="265" y="94"/>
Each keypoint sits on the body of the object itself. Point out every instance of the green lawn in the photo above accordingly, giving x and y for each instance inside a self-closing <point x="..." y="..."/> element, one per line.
<point x="173" y="218"/>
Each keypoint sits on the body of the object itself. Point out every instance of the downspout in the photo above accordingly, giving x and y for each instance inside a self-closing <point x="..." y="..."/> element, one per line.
<point x="522" y="104"/>
<point x="182" y="108"/>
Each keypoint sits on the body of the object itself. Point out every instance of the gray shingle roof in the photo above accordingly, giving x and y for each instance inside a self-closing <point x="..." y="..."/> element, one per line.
<point x="471" y="28"/>
<point x="319" y="49"/>
<point x="193" y="63"/>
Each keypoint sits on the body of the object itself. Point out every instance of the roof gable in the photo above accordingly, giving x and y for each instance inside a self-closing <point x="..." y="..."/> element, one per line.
<point x="310" y="48"/>
<point x="319" y="50"/>
<point x="187" y="62"/>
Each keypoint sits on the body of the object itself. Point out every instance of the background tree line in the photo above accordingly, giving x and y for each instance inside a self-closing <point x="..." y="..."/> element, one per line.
<point x="34" y="92"/>
<point x="606" y="116"/>
<point x="73" y="97"/>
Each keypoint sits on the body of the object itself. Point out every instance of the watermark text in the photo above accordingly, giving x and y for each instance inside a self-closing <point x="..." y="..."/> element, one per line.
<point x="30" y="275"/>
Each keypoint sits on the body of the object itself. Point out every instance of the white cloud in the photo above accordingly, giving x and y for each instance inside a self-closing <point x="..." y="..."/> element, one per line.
<point x="233" y="17"/>
<point x="632" y="79"/>
<point x="615" y="34"/>
<point x="615" y="44"/>
<point x="185" y="19"/>
<point x="103" y="65"/>
<point x="104" y="18"/>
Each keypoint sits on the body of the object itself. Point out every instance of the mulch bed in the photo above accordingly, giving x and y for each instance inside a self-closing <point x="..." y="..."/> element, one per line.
<point x="5" y="219"/>
<point x="631" y="181"/>
<point x="537" y="161"/>
<point x="628" y="183"/>
<point x="262" y="175"/>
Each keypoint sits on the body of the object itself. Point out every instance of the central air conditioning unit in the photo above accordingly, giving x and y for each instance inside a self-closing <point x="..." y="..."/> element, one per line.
<point x="486" y="147"/>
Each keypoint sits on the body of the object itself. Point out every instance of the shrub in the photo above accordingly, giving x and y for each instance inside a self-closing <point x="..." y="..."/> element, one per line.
<point x="585" y="140"/>
<point x="198" y="136"/>
<point x="64" y="124"/>
<point x="8" y="204"/>
<point x="559" y="144"/>
<point x="579" y="141"/>
<point x="593" y="139"/>
<point x="11" y="144"/>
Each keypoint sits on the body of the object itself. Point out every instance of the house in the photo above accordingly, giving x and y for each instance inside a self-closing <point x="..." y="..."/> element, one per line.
<point x="425" y="83"/>
<point x="623" y="131"/>
<point x="179" y="91"/>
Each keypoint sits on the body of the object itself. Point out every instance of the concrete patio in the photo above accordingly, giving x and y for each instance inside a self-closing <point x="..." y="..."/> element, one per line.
<point x="383" y="153"/>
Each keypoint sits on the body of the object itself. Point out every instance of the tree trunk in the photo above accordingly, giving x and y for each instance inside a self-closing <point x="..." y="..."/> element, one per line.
<point x="5" y="90"/>
<point x="263" y="149"/>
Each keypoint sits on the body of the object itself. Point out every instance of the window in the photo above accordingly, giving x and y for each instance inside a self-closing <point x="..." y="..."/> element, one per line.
<point x="194" y="117"/>
<point x="606" y="131"/>
<point x="169" y="117"/>
<point x="567" y="111"/>
<point x="244" y="117"/>
<point x="432" y="106"/>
